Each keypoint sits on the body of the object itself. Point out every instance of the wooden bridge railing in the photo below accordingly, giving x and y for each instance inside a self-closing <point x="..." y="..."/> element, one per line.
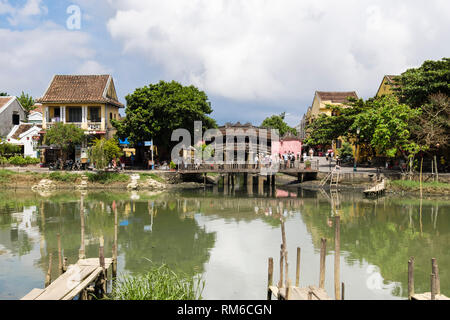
<point x="283" y="166"/>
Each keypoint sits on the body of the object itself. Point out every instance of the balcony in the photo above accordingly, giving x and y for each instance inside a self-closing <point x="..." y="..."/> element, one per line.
<point x="95" y="126"/>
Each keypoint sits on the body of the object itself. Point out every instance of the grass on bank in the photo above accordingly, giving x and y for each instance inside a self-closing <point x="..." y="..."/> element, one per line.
<point x="159" y="283"/>
<point x="152" y="176"/>
<point x="408" y="185"/>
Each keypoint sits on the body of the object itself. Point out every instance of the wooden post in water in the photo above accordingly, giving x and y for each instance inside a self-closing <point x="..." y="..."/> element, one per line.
<point x="435" y="271"/>
<point x="115" y="248"/>
<point x="48" y="278"/>
<point x="82" y="253"/>
<point x="287" y="267"/>
<point x="102" y="278"/>
<point x="323" y="249"/>
<point x="288" y="289"/>
<point x="411" y="278"/>
<point x="297" y="275"/>
<point x="343" y="291"/>
<point x="433" y="286"/>
<point x="270" y="279"/>
<point x="280" y="284"/>
<point x="65" y="264"/>
<point x="337" y="256"/>
<point x="60" y="263"/>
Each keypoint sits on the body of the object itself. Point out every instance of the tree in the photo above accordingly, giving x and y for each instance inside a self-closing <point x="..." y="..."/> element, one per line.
<point x="324" y="129"/>
<point x="64" y="136"/>
<point x="27" y="102"/>
<point x="103" y="151"/>
<point x="3" y="94"/>
<point x="155" y="111"/>
<point x="385" y="124"/>
<point x="415" y="86"/>
<point x="433" y="127"/>
<point x="277" y="122"/>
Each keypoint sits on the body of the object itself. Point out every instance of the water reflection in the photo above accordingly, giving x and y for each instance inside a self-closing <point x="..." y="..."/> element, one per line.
<point x="227" y="235"/>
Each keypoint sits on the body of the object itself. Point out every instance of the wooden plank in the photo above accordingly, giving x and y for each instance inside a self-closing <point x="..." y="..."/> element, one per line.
<point x="33" y="294"/>
<point x="296" y="293"/>
<point x="94" y="262"/>
<point x="76" y="291"/>
<point x="427" y="296"/>
<point x="64" y="284"/>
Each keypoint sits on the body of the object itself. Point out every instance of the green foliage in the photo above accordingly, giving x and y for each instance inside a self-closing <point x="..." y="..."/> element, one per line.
<point x="27" y="102"/>
<point x="152" y="176"/>
<point x="172" y="165"/>
<point x="3" y="94"/>
<point x="65" y="136"/>
<point x="307" y="164"/>
<point x="160" y="283"/>
<point x="63" y="177"/>
<point x="21" y="161"/>
<point x="155" y="111"/>
<point x="8" y="149"/>
<point x="346" y="150"/>
<point x="103" y="151"/>
<point x="386" y="124"/>
<point x="408" y="185"/>
<point x="417" y="85"/>
<point x="277" y="122"/>
<point x="324" y="129"/>
<point x="107" y="177"/>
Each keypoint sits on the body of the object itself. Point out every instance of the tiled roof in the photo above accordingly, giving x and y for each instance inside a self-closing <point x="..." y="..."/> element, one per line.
<point x="5" y="100"/>
<point x="390" y="79"/>
<point x="22" y="129"/>
<point x="79" y="89"/>
<point x="336" y="97"/>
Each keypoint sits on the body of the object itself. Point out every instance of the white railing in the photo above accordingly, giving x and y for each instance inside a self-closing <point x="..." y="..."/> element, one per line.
<point x="95" y="126"/>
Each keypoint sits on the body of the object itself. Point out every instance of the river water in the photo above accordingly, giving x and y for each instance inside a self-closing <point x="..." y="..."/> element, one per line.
<point x="228" y="238"/>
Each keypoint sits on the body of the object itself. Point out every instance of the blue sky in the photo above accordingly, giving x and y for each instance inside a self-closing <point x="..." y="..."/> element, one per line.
<point x="253" y="58"/>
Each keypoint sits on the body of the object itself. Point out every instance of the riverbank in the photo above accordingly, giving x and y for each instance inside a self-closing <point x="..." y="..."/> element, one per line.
<point x="61" y="180"/>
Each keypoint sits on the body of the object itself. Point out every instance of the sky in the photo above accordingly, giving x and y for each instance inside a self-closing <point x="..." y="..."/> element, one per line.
<point x="253" y="58"/>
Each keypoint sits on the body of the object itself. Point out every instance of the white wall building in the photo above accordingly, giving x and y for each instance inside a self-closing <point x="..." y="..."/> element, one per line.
<point x="26" y="135"/>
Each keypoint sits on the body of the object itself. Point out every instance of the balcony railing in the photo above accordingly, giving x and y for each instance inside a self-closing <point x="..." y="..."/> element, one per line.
<point x="94" y="126"/>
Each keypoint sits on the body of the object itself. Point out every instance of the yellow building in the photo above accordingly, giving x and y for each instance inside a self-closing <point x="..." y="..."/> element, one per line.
<point x="90" y="102"/>
<point x="321" y="105"/>
<point x="386" y="86"/>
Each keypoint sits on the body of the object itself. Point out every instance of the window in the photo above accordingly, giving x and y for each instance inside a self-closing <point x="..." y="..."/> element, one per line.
<point x="16" y="119"/>
<point x="338" y="144"/>
<point x="57" y="112"/>
<point x="95" y="114"/>
<point x="110" y="116"/>
<point x="75" y="115"/>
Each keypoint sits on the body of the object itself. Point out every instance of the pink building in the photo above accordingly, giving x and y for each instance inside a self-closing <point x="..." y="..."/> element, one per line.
<point x="288" y="143"/>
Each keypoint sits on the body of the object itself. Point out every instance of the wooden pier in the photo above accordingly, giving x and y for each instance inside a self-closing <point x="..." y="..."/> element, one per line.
<point x="380" y="188"/>
<point x="87" y="279"/>
<point x="286" y="291"/>
<point x="435" y="293"/>
<point x="84" y="277"/>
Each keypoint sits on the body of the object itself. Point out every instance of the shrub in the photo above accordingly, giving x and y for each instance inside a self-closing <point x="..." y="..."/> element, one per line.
<point x="172" y="165"/>
<point x="17" y="161"/>
<point x="64" y="177"/>
<point x="107" y="177"/>
<point x="160" y="283"/>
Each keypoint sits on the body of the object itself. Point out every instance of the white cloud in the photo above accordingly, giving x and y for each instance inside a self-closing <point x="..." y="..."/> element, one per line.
<point x="30" y="58"/>
<point x="21" y="15"/>
<point x="282" y="50"/>
<point x="93" y="67"/>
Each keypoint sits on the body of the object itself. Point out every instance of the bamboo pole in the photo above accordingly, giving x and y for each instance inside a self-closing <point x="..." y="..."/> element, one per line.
<point x="411" y="278"/>
<point x="60" y="263"/>
<point x="337" y="256"/>
<point x="270" y="279"/>
<point x="48" y="279"/>
<point x="342" y="291"/>
<point x="297" y="275"/>
<point x="288" y="289"/>
<point x="323" y="249"/>
<point x="115" y="245"/>
<point x="435" y="270"/>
